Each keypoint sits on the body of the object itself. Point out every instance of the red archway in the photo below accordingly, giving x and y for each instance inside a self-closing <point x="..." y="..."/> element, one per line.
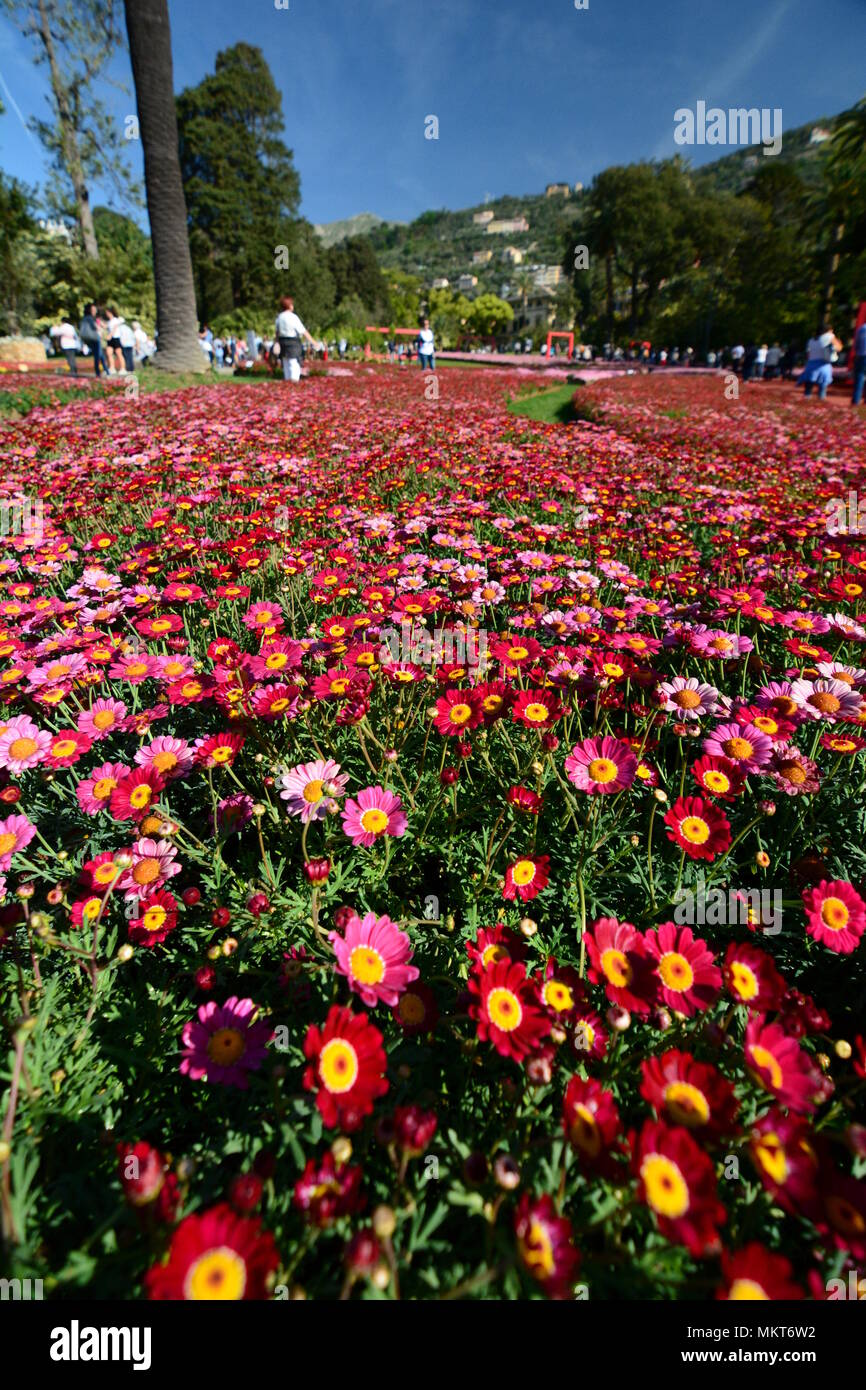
<point x="569" y="336"/>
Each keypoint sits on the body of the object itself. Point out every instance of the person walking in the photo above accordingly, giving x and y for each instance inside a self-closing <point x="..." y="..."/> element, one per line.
<point x="859" y="364"/>
<point x="290" y="333"/>
<point x="818" y="370"/>
<point x="88" y="332"/>
<point x="67" y="339"/>
<point x="426" y="347"/>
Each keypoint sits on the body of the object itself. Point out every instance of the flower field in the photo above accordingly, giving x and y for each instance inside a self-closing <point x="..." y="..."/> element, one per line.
<point x="432" y="843"/>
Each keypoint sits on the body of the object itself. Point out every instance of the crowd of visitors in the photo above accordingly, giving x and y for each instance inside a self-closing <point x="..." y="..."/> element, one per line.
<point x="116" y="347"/>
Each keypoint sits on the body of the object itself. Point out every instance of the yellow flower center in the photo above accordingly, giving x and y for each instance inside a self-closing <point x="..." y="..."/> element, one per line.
<point x="411" y="1009"/>
<point x="145" y="871"/>
<point x="676" y="971"/>
<point x="558" y="996"/>
<point x="338" y="1066"/>
<point x="64" y="747"/>
<point x="218" y="1274"/>
<point x="536" y="713"/>
<point x="584" y="1133"/>
<point x="666" y="1189"/>
<point x="686" y="1104"/>
<point x="8" y="841"/>
<point x="459" y="714"/>
<point x="602" y="770"/>
<point x="766" y="1062"/>
<point x="770" y="1153"/>
<point x="695" y="830"/>
<point x="140" y="796"/>
<point x="742" y="1290"/>
<point x="739" y="749"/>
<point x="366" y="965"/>
<point x="743" y="980"/>
<point x="834" y="914"/>
<point x="718" y="782"/>
<point x="536" y="1250"/>
<point x="103" y="719"/>
<point x="226" y="1045"/>
<point x="616" y="967"/>
<point x="518" y="653"/>
<point x="21" y="748"/>
<point x="374" y="821"/>
<point x="686" y="699"/>
<point x="504" y="1009"/>
<point x="523" y="872"/>
<point x="313" y="792"/>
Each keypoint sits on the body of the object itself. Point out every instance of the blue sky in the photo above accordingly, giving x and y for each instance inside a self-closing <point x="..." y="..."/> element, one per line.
<point x="526" y="91"/>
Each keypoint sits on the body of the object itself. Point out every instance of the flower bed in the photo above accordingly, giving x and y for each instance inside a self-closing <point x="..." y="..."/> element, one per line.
<point x="432" y="843"/>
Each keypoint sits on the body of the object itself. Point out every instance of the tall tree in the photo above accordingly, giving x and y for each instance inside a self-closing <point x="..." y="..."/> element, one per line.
<point x="241" y="186"/>
<point x="149" y="33"/>
<point x="76" y="39"/>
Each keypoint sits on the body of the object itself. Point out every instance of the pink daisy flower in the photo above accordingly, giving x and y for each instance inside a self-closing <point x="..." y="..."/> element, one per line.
<point x="22" y="744"/>
<point x="94" y="792"/>
<point x="601" y="765"/>
<point x="224" y="1043"/>
<point x="309" y="787"/>
<point x="826" y="699"/>
<point x="153" y="864"/>
<point x="688" y="698"/>
<point x="58" y="671"/>
<point x="835" y="915"/>
<point x="169" y="756"/>
<point x="376" y="812"/>
<point x="741" y="744"/>
<point x="67" y="747"/>
<point x="102" y="719"/>
<point x="263" y="615"/>
<point x="16" y="832"/>
<point x="374" y="956"/>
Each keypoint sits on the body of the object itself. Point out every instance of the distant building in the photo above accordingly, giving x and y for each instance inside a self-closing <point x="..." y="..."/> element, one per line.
<point x="441" y="283"/>
<point x="578" y="188"/>
<point x="819" y="134"/>
<point x="481" y="257"/>
<point x="55" y="229"/>
<point x="482" y="218"/>
<point x="533" y="310"/>
<point x="507" y="226"/>
<point x="512" y="254"/>
<point x="465" y="283"/>
<point x="553" y="189"/>
<point x="548" y="276"/>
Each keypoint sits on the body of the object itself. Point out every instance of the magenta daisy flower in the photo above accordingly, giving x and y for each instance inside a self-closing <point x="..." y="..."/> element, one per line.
<point x="153" y="864"/>
<point x="309" y="788"/>
<point x="94" y="792"/>
<point x="224" y="1043"/>
<point x="22" y="744"/>
<point x="741" y="744"/>
<point x="170" y="757"/>
<point x="376" y="812"/>
<point x="601" y="765"/>
<point x="826" y="699"/>
<point x="688" y="698"/>
<point x="16" y="832"/>
<point x="374" y="956"/>
<point x="835" y="915"/>
<point x="102" y="719"/>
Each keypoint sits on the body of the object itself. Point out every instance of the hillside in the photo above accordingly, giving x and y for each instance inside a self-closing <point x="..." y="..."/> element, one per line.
<point x="442" y="243"/>
<point x="330" y="233"/>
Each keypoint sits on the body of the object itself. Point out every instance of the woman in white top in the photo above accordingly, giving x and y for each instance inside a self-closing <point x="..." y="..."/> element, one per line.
<point x="818" y="370"/>
<point x="67" y="339"/>
<point x="290" y="331"/>
<point x="114" y="346"/>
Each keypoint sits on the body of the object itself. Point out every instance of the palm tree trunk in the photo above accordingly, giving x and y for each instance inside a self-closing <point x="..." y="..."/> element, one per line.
<point x="149" y="33"/>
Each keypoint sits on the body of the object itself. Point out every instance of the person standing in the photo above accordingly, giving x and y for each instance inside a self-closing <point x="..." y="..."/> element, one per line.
<point x="89" y="335"/>
<point x="67" y="340"/>
<point x="291" y="334"/>
<point x="127" y="346"/>
<point x="859" y="364"/>
<point x="114" y="347"/>
<point x="818" y="370"/>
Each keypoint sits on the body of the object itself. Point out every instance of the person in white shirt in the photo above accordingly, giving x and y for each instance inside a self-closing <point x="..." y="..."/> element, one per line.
<point x="290" y="332"/>
<point x="67" y="340"/>
<point x="818" y="370"/>
<point x="426" y="347"/>
<point x="127" y="345"/>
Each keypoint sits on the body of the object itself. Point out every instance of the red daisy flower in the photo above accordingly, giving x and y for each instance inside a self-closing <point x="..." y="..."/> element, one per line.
<point x="781" y="1066"/>
<point x="457" y="711"/>
<point x="844" y="1203"/>
<point x="835" y="915"/>
<point x="718" y="777"/>
<point x="67" y="747"/>
<point x="493" y="944"/>
<point x="754" y="1273"/>
<point x="157" y="916"/>
<point x="216" y="1254"/>
<point x="689" y="979"/>
<point x="591" y="1123"/>
<point x="135" y="793"/>
<point x="698" y="827"/>
<point x="326" y="1190"/>
<point x="560" y="988"/>
<point x="507" y="1011"/>
<point x="526" y="877"/>
<point x="147" y="1183"/>
<point x="677" y="1181"/>
<point x="220" y="750"/>
<point x="689" y="1093"/>
<point x="537" y="709"/>
<point x="416" y="1010"/>
<point x="780" y="1146"/>
<point x="347" y="1068"/>
<point x="544" y="1245"/>
<point x="619" y="961"/>
<point x="751" y="977"/>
